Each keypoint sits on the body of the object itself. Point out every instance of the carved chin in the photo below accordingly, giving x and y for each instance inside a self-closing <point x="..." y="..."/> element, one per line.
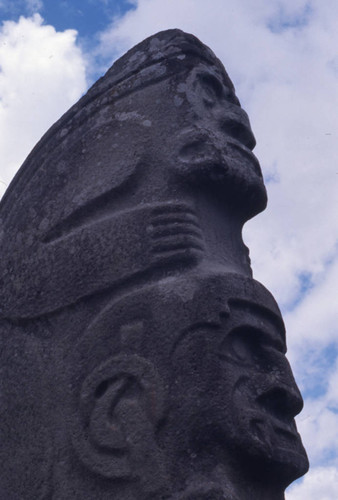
<point x="270" y="441"/>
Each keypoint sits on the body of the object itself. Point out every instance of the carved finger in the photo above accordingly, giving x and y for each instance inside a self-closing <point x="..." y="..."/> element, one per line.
<point x="176" y="229"/>
<point x="169" y="218"/>
<point x="177" y="242"/>
<point x="173" y="208"/>
<point x="191" y="255"/>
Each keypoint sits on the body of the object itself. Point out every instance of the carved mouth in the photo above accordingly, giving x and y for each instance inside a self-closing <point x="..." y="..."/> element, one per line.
<point x="274" y="430"/>
<point x="202" y="151"/>
<point x="264" y="427"/>
<point x="246" y="154"/>
<point x="285" y="430"/>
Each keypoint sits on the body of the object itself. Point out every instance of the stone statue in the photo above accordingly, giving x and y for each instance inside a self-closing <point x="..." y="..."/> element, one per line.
<point x="140" y="359"/>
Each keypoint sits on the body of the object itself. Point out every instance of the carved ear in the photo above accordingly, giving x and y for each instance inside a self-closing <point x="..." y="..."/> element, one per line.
<point x="121" y="402"/>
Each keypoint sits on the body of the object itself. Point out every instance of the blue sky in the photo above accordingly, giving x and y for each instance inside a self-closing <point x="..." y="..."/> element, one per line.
<point x="283" y="59"/>
<point x="87" y="16"/>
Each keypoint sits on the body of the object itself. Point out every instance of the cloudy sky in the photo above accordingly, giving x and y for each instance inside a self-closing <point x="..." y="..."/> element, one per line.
<point x="282" y="57"/>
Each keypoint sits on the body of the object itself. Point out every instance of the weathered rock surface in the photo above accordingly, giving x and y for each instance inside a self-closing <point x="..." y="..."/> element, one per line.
<point x="140" y="359"/>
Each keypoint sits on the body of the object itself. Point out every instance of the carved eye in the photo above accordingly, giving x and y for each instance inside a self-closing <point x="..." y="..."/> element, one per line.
<point x="213" y="90"/>
<point x="230" y="96"/>
<point x="246" y="345"/>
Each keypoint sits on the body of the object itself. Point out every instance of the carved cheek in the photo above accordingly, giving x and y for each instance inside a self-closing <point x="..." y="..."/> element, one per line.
<point x="197" y="367"/>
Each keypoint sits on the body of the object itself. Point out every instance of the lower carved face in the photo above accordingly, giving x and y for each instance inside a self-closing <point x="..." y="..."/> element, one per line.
<point x="238" y="393"/>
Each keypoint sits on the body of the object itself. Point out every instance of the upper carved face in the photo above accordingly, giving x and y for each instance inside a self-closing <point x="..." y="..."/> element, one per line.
<point x="215" y="142"/>
<point x="193" y="132"/>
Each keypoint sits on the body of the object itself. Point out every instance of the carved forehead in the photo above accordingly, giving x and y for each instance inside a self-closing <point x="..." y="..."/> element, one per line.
<point x="174" y="48"/>
<point x="154" y="317"/>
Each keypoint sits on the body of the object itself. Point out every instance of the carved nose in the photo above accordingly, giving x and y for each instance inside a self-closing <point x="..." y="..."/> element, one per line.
<point x="282" y="402"/>
<point x="239" y="130"/>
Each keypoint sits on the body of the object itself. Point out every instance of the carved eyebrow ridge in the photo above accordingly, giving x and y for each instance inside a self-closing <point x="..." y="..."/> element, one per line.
<point x="262" y="311"/>
<point x="193" y="329"/>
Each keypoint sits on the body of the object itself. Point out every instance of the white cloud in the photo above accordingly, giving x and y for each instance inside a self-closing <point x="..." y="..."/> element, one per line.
<point x="16" y="7"/>
<point x="3" y="187"/>
<point x="315" y="319"/>
<point x="319" y="484"/>
<point x="34" y="6"/>
<point x="332" y="392"/>
<point x="42" y="72"/>
<point x="318" y="426"/>
<point x="318" y="422"/>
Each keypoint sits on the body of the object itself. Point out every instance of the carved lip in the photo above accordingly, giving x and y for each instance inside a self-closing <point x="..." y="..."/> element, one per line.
<point x="246" y="153"/>
<point x="287" y="430"/>
<point x="199" y="150"/>
<point x="281" y="440"/>
<point x="282" y="425"/>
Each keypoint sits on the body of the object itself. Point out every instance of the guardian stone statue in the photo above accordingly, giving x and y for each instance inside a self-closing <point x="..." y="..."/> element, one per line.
<point x="140" y="360"/>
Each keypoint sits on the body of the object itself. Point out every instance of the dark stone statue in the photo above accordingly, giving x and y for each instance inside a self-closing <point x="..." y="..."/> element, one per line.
<point x="140" y="360"/>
